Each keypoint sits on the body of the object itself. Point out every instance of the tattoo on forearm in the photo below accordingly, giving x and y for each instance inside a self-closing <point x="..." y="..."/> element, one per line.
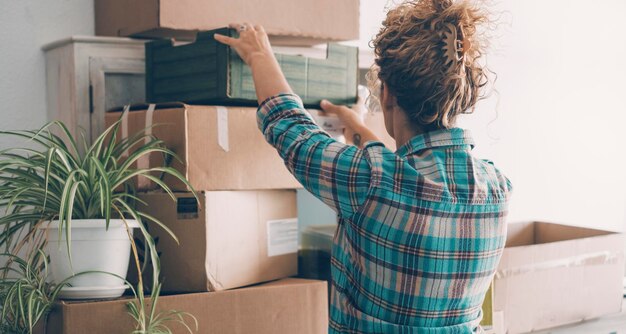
<point x="356" y="139"/>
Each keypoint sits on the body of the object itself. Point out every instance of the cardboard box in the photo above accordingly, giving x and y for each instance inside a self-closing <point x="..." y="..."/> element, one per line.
<point x="296" y="22"/>
<point x="220" y="148"/>
<point x="552" y="275"/>
<point x="209" y="72"/>
<point x="285" y="306"/>
<point x="232" y="239"/>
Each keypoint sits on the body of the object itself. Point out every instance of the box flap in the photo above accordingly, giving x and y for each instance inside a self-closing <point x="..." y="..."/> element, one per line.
<point x="550" y="232"/>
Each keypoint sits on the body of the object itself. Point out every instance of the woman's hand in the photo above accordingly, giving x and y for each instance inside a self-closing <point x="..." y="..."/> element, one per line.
<point x="356" y="132"/>
<point x="252" y="43"/>
<point x="349" y="117"/>
<point x="253" y="46"/>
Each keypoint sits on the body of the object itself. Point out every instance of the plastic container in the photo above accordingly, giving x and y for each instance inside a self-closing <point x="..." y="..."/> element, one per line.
<point x="208" y="72"/>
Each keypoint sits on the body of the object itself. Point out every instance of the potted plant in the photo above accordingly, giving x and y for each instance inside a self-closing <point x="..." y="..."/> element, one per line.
<point x="77" y="201"/>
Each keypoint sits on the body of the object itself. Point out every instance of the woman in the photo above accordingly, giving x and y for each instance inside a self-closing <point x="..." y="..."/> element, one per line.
<point x="421" y="229"/>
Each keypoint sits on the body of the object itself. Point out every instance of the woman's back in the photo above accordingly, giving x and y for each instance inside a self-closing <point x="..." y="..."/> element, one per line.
<point x="421" y="250"/>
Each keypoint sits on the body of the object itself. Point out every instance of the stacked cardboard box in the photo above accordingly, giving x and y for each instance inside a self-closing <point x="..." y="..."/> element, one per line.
<point x="201" y="102"/>
<point x="226" y="158"/>
<point x="283" y="306"/>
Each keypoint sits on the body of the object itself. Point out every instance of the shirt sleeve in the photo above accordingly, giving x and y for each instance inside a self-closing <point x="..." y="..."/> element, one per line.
<point x="336" y="173"/>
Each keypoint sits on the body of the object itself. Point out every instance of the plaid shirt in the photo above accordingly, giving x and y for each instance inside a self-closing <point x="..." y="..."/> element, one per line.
<point x="420" y="232"/>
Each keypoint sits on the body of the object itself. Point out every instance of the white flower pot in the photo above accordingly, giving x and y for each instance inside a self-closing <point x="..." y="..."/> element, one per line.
<point x="93" y="249"/>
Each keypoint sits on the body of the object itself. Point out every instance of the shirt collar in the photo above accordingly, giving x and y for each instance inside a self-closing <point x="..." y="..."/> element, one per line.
<point x="439" y="138"/>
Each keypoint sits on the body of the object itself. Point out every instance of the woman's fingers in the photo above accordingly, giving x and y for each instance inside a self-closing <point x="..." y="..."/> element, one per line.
<point x="329" y="107"/>
<point x="225" y="39"/>
<point x="242" y="26"/>
<point x="237" y="26"/>
<point x="349" y="117"/>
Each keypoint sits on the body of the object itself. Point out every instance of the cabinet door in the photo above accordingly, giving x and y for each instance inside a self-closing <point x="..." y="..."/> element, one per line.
<point x="114" y="82"/>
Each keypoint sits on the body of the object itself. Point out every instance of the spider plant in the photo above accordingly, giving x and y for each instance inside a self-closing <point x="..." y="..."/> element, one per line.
<point x="26" y="295"/>
<point x="56" y="177"/>
<point x="156" y="323"/>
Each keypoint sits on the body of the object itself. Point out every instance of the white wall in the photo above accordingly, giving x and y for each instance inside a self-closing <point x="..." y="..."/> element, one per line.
<point x="557" y="126"/>
<point x="25" y="26"/>
<point x="558" y="130"/>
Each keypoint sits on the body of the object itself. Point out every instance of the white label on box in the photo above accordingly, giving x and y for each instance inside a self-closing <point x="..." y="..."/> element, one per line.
<point x="282" y="236"/>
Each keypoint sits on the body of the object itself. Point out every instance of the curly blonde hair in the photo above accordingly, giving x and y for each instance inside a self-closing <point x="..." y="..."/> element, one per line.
<point x="432" y="83"/>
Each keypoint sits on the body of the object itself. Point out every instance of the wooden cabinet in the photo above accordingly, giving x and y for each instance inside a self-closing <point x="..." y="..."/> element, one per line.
<point x="86" y="76"/>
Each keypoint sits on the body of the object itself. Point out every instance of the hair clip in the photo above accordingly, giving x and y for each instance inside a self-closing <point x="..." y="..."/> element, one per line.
<point x="455" y="46"/>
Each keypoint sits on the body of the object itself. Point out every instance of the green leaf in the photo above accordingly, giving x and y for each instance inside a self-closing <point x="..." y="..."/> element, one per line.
<point x="105" y="190"/>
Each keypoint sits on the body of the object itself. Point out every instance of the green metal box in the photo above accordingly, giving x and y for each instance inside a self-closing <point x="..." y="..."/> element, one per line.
<point x="208" y="72"/>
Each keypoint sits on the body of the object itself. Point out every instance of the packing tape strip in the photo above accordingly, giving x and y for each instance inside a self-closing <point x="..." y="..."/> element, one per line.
<point x="222" y="128"/>
<point x="144" y="161"/>
<point x="605" y="257"/>
<point x="149" y="117"/>
<point x="125" y="127"/>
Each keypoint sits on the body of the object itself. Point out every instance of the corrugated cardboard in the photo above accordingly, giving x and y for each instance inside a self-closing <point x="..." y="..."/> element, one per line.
<point x="552" y="275"/>
<point x="295" y="22"/>
<point x="233" y="239"/>
<point x="220" y="148"/>
<point x="285" y="306"/>
<point x="209" y="72"/>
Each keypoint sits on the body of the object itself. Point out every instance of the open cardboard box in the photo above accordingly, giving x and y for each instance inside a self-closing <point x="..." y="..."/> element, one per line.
<point x="294" y="22"/>
<point x="552" y="275"/>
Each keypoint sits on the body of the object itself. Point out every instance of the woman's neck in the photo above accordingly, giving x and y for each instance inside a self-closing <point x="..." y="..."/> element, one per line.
<point x="403" y="129"/>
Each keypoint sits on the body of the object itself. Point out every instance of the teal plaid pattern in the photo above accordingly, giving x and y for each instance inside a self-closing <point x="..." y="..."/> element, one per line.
<point x="421" y="230"/>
